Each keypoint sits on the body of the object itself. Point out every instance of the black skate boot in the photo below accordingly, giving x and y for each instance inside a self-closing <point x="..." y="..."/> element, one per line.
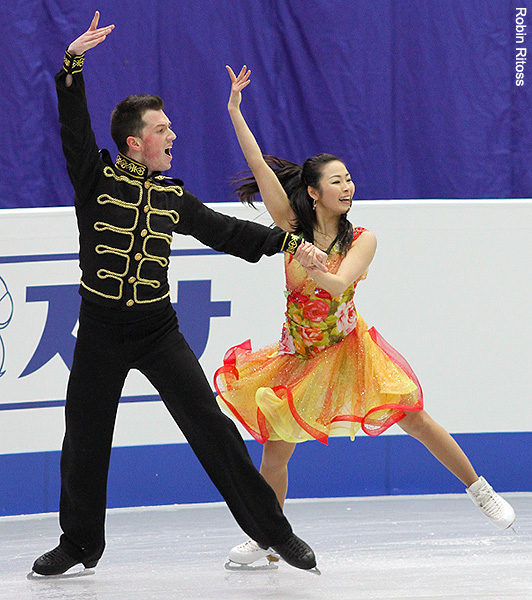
<point x="297" y="553"/>
<point x="58" y="561"/>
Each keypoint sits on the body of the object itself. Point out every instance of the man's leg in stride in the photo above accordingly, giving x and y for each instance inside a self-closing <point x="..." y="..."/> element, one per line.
<point x="175" y="372"/>
<point x="95" y="383"/>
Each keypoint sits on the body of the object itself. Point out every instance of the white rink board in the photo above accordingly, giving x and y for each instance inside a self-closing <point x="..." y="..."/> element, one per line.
<point x="449" y="288"/>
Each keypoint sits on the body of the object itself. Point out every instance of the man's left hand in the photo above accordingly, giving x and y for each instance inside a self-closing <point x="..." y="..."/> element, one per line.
<point x="311" y="257"/>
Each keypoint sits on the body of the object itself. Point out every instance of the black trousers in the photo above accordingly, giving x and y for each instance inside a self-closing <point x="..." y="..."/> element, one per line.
<point x="110" y="343"/>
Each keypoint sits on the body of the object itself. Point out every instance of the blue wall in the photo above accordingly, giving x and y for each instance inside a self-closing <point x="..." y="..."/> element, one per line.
<point x="418" y="97"/>
<point x="171" y="474"/>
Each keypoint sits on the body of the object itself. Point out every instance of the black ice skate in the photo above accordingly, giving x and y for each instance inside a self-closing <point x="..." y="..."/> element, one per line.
<point x="58" y="561"/>
<point x="297" y="553"/>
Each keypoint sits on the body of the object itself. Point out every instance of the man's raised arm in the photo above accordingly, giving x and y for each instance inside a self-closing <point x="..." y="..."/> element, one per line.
<point x="92" y="37"/>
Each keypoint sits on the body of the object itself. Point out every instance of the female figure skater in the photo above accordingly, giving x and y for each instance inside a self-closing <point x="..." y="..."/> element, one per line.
<point x="329" y="374"/>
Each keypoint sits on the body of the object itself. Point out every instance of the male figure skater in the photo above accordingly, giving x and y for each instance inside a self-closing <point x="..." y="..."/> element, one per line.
<point x="127" y="213"/>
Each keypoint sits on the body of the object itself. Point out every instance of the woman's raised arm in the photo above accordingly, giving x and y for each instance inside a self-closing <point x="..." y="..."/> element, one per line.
<point x="271" y="190"/>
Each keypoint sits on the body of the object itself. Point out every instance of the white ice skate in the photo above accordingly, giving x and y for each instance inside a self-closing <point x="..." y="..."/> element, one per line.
<point x="495" y="508"/>
<point x="249" y="555"/>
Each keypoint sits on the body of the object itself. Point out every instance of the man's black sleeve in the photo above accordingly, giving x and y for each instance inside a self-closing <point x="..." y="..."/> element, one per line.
<point x="245" y="239"/>
<point x="77" y="138"/>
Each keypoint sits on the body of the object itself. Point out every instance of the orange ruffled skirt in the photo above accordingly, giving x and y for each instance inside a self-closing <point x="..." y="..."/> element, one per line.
<point x="360" y="382"/>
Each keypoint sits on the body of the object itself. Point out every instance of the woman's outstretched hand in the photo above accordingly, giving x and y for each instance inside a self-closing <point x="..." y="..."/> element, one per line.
<point x="92" y="37"/>
<point x="237" y="85"/>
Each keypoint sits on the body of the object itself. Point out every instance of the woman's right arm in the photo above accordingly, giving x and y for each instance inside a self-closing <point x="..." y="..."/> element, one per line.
<point x="271" y="190"/>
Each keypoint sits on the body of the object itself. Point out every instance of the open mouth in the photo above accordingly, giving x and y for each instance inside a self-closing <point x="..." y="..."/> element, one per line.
<point x="168" y="151"/>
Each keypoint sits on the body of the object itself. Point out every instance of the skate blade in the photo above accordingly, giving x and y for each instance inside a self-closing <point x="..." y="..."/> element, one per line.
<point x="314" y="571"/>
<point x="70" y="574"/>
<point x="511" y="526"/>
<point x="233" y="566"/>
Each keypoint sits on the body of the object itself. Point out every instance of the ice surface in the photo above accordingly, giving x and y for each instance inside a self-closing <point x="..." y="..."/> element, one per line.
<point x="407" y="548"/>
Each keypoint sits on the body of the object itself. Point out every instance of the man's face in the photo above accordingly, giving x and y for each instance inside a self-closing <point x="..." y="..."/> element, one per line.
<point x="155" y="141"/>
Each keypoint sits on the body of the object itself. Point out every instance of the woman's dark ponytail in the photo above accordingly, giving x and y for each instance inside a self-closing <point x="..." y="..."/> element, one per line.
<point x="288" y="173"/>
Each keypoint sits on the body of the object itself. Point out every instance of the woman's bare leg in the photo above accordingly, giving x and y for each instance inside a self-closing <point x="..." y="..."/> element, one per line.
<point x="440" y="443"/>
<point x="274" y="466"/>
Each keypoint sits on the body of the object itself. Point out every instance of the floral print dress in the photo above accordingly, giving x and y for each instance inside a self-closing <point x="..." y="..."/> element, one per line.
<point x="328" y="375"/>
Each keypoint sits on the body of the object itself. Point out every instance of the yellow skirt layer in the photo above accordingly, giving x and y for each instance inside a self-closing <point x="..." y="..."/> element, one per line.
<point x="360" y="382"/>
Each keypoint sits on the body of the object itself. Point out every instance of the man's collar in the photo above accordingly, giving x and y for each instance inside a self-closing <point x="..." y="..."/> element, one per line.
<point x="133" y="168"/>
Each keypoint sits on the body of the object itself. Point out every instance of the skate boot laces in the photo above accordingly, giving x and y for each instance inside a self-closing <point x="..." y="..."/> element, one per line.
<point x="490" y="502"/>
<point x="249" y="546"/>
<point x="297" y="553"/>
<point x="492" y="505"/>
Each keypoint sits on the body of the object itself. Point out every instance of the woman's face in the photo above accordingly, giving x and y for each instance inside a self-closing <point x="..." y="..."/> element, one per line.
<point x="337" y="189"/>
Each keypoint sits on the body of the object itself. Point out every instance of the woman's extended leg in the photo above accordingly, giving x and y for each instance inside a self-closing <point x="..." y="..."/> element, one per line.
<point x="444" y="447"/>
<point x="440" y="444"/>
